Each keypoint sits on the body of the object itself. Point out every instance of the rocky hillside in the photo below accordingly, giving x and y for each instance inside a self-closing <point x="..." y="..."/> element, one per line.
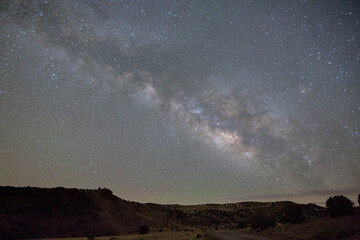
<point x="59" y="212"/>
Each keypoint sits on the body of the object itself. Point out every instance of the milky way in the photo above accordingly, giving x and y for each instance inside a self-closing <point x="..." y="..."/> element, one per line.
<point x="182" y="101"/>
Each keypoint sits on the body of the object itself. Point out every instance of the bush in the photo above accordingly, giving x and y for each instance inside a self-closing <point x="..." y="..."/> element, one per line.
<point x="261" y="220"/>
<point x="198" y="236"/>
<point x="293" y="214"/>
<point x="143" y="229"/>
<point x="242" y="224"/>
<point x="339" y="206"/>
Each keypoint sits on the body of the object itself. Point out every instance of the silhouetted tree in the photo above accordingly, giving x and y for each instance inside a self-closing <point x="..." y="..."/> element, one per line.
<point x="293" y="214"/>
<point x="143" y="229"/>
<point x="359" y="199"/>
<point x="339" y="206"/>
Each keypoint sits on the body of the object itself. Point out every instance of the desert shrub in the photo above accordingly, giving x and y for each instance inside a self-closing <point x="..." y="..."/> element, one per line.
<point x="208" y="237"/>
<point x="198" y="235"/>
<point x="293" y="214"/>
<point x="242" y="224"/>
<point x="339" y="206"/>
<point x="143" y="229"/>
<point x="261" y="220"/>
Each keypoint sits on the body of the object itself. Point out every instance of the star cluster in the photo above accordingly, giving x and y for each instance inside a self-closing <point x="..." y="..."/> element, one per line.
<point x="182" y="101"/>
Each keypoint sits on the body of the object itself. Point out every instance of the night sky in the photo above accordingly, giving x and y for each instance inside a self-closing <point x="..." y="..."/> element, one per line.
<point x="182" y="101"/>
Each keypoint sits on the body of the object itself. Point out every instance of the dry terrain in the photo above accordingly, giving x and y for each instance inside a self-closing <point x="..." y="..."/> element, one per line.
<point x="72" y="213"/>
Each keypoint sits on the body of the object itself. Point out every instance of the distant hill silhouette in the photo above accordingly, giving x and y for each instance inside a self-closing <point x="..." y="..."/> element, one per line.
<point x="31" y="212"/>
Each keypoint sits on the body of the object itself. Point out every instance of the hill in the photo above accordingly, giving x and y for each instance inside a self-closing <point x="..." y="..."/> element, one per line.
<point x="59" y="212"/>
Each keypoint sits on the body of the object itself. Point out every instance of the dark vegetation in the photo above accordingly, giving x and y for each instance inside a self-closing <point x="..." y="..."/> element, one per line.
<point x="339" y="206"/>
<point x="60" y="212"/>
<point x="242" y="224"/>
<point x="262" y="220"/>
<point x="143" y="229"/>
<point x="293" y="214"/>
